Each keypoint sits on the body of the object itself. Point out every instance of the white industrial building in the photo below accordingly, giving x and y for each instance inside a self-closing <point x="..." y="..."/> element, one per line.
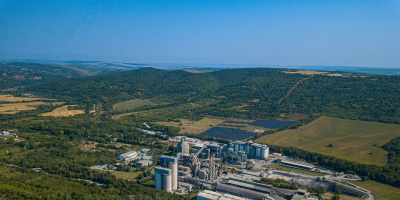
<point x="183" y="146"/>
<point x="252" y="150"/>
<point x="128" y="156"/>
<point x="210" y="195"/>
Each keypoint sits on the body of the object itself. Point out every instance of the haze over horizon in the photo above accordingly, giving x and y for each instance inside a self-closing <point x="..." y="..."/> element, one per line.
<point x="326" y="33"/>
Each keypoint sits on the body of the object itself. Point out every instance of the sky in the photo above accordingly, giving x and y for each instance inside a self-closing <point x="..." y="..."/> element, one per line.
<point x="362" y="33"/>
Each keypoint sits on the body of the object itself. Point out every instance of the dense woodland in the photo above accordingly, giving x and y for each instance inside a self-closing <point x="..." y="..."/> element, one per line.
<point x="54" y="144"/>
<point x="219" y="93"/>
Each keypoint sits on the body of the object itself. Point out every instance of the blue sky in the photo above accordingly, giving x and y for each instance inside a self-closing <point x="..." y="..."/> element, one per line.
<point x="350" y="33"/>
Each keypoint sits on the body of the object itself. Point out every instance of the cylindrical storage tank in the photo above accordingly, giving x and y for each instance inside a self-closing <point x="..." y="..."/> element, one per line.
<point x="258" y="152"/>
<point x="263" y="152"/>
<point x="158" y="181"/>
<point x="167" y="182"/>
<point x="241" y="147"/>
<point x="174" y="173"/>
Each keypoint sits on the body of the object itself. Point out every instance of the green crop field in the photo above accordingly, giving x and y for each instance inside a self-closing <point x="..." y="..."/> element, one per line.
<point x="132" y="104"/>
<point x="352" y="140"/>
<point x="380" y="190"/>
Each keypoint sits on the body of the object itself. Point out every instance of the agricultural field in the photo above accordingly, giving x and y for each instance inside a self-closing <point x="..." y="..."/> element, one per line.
<point x="227" y="133"/>
<point x="353" y="140"/>
<point x="63" y="112"/>
<point x="271" y="124"/>
<point x="305" y="72"/>
<point x="11" y="98"/>
<point x="196" y="127"/>
<point x="12" y="108"/>
<point x="277" y="166"/>
<point x="133" y="104"/>
<point x="380" y="190"/>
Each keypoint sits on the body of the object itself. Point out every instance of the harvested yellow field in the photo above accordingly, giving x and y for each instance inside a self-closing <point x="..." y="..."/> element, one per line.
<point x="11" y="98"/>
<point x="12" y="108"/>
<point x="63" y="112"/>
<point x="306" y="72"/>
<point x="335" y="74"/>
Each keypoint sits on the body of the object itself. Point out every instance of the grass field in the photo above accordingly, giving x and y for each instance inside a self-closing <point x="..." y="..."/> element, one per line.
<point x="352" y="140"/>
<point x="126" y="175"/>
<point x="11" y="98"/>
<point x="12" y="108"/>
<point x="63" y="112"/>
<point x="132" y="104"/>
<point x="381" y="191"/>
<point x="196" y="127"/>
<point x="277" y="166"/>
<point x="342" y="197"/>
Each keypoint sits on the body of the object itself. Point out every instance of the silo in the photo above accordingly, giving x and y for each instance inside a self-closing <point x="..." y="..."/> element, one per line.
<point x="174" y="167"/>
<point x="158" y="181"/>
<point x="258" y="151"/>
<point x="167" y="182"/>
<point x="264" y="151"/>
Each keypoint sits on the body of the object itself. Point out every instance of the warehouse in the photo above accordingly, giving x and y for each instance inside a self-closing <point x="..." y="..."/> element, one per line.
<point x="294" y="164"/>
<point x="128" y="156"/>
<point x="210" y="195"/>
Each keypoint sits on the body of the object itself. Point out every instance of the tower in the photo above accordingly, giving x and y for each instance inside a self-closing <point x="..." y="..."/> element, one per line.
<point x="167" y="175"/>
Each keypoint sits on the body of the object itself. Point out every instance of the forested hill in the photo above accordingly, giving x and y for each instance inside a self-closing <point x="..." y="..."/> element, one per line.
<point x="17" y="74"/>
<point x="255" y="92"/>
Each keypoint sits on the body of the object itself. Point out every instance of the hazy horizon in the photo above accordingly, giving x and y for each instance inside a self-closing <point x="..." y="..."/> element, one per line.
<point x="275" y="33"/>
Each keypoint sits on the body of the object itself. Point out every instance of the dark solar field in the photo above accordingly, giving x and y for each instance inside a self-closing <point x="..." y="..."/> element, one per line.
<point x="227" y="133"/>
<point x="237" y="122"/>
<point x="272" y="124"/>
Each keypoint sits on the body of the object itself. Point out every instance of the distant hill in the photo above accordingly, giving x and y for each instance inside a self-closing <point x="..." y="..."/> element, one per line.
<point x="250" y="92"/>
<point x="17" y="74"/>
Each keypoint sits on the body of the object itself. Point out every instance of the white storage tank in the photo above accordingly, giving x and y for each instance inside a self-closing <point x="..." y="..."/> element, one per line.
<point x="258" y="152"/>
<point x="167" y="182"/>
<point x="174" y="167"/>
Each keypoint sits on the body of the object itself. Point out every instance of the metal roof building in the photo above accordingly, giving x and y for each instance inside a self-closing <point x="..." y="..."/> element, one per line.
<point x="210" y="195"/>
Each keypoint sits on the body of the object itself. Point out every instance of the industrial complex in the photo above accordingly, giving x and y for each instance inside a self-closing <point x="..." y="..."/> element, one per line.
<point x="221" y="172"/>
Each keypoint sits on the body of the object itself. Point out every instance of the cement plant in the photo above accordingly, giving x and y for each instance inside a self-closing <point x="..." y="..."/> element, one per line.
<point x="236" y="171"/>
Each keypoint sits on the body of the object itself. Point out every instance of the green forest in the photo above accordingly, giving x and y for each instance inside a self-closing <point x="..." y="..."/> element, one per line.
<point x="54" y="144"/>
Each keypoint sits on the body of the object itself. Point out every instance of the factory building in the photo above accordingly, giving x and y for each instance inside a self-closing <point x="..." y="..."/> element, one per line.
<point x="166" y="176"/>
<point x="183" y="146"/>
<point x="210" y="195"/>
<point x="297" y="165"/>
<point x="128" y="156"/>
<point x="144" y="163"/>
<point x="245" y="189"/>
<point x="252" y="150"/>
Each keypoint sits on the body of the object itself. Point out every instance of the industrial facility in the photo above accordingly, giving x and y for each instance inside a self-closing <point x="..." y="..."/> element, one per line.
<point x="129" y="156"/>
<point x="219" y="171"/>
<point x="166" y="177"/>
<point x="252" y="150"/>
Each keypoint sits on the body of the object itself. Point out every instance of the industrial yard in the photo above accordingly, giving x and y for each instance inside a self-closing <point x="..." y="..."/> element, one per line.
<point x="238" y="170"/>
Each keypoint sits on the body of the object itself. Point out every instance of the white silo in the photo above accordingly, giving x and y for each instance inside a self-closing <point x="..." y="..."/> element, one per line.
<point x="258" y="151"/>
<point x="167" y="182"/>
